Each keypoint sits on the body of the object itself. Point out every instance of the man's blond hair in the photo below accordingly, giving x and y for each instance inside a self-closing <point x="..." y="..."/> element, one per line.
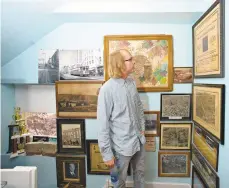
<point x="116" y="64"/>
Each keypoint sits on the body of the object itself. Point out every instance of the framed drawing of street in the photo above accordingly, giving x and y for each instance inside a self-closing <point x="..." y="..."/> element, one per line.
<point x="175" y="107"/>
<point x="208" y="42"/>
<point x="153" y="57"/>
<point x="208" y="108"/>
<point x="175" y="136"/>
<point x="152" y="123"/>
<point x="77" y="99"/>
<point x="71" y="136"/>
<point x="174" y="164"/>
<point x="209" y="176"/>
<point x="207" y="145"/>
<point x="183" y="75"/>
<point x="197" y="181"/>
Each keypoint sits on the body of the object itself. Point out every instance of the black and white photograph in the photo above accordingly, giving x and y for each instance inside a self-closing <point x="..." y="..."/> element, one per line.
<point x="71" y="137"/>
<point x="48" y="66"/>
<point x="152" y="120"/>
<point x="71" y="170"/>
<point x="81" y="64"/>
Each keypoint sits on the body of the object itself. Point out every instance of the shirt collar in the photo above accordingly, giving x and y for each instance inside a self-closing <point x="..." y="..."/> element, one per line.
<point x="121" y="81"/>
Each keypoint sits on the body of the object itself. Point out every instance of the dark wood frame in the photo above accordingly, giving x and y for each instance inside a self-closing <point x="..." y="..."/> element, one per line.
<point x="169" y="38"/>
<point x="74" y="82"/>
<point x="60" y="149"/>
<point x="176" y="119"/>
<point x="174" y="152"/>
<point x="194" y="170"/>
<point x="158" y="122"/>
<point x="88" y="142"/>
<point x="214" y="144"/>
<point x="222" y="109"/>
<point x="221" y="39"/>
<point x="182" y="68"/>
<point x="60" y="159"/>
<point x="172" y="123"/>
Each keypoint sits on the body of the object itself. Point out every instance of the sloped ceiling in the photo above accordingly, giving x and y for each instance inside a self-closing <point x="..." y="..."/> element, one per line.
<point x="24" y="22"/>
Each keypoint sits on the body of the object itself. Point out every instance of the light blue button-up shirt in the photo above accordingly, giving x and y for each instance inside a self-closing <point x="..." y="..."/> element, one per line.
<point x="121" y="117"/>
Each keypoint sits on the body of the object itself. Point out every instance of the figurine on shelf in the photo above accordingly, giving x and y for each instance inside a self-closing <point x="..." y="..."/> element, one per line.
<point x="17" y="114"/>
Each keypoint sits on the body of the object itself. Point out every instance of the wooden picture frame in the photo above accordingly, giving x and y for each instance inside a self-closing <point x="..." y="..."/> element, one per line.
<point x="71" y="136"/>
<point x="95" y="164"/>
<point x="209" y="99"/>
<point x="70" y="169"/>
<point x="207" y="145"/>
<point x="209" y="176"/>
<point x="209" y="42"/>
<point x="77" y="99"/>
<point x="197" y="180"/>
<point x="183" y="75"/>
<point x="176" y="106"/>
<point x="175" y="136"/>
<point x="150" y="145"/>
<point x="168" y="168"/>
<point x="152" y="123"/>
<point x="153" y="56"/>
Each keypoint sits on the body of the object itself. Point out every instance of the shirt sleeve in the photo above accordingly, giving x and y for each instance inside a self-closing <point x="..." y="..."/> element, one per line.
<point x="104" y="109"/>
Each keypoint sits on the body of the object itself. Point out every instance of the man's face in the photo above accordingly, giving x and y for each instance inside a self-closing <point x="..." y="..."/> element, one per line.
<point x="129" y="63"/>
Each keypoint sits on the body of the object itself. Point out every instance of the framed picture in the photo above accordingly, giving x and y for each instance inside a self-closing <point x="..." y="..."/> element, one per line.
<point x="176" y="107"/>
<point x="150" y="145"/>
<point x="209" y="176"/>
<point x="40" y="138"/>
<point x="74" y="102"/>
<point x="208" y="108"/>
<point x="183" y="75"/>
<point x="152" y="121"/>
<point x="175" y="136"/>
<point x="70" y="169"/>
<point x="95" y="164"/>
<point x="208" y="42"/>
<point x="197" y="181"/>
<point x="71" y="136"/>
<point x="153" y="56"/>
<point x="174" y="164"/>
<point x="207" y="145"/>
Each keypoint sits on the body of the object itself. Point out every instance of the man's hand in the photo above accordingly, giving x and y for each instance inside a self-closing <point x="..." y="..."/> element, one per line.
<point x="110" y="163"/>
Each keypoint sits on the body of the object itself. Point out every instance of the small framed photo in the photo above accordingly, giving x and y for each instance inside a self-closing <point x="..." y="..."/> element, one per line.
<point x="150" y="145"/>
<point x="183" y="75"/>
<point x="197" y="180"/>
<point x="176" y="136"/>
<point x="71" y="136"/>
<point x="174" y="164"/>
<point x="176" y="107"/>
<point x="70" y="169"/>
<point x="152" y="121"/>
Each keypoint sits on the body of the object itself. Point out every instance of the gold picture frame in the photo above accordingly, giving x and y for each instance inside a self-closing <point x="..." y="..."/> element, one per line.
<point x="77" y="99"/>
<point x="153" y="56"/>
<point x="208" y="108"/>
<point x="208" y="42"/>
<point x="183" y="75"/>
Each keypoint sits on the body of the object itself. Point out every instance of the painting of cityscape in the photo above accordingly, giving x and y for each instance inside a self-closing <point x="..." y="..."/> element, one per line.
<point x="175" y="107"/>
<point x="48" y="66"/>
<point x="153" y="57"/>
<point x="81" y="65"/>
<point x="74" y="102"/>
<point x="173" y="164"/>
<point x="40" y="123"/>
<point x="152" y="119"/>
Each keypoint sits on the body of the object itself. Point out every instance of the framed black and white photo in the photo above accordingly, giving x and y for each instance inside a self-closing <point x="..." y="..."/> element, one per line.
<point x="152" y="121"/>
<point x="176" y="107"/>
<point x="71" y="136"/>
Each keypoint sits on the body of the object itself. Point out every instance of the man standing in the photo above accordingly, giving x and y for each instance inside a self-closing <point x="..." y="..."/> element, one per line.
<point x="121" y="116"/>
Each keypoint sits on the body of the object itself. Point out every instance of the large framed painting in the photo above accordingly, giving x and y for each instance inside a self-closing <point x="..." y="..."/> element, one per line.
<point x="176" y="107"/>
<point x="70" y="169"/>
<point x="153" y="57"/>
<point x="77" y="99"/>
<point x="183" y="75"/>
<point x="95" y="164"/>
<point x="208" y="108"/>
<point x="174" y="164"/>
<point x="209" y="176"/>
<point x="71" y="136"/>
<point x="176" y="136"/>
<point x="197" y="180"/>
<point x="152" y="122"/>
<point x="208" y="42"/>
<point x="207" y="145"/>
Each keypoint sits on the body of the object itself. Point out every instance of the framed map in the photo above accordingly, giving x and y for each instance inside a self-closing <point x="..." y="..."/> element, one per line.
<point x="208" y="42"/>
<point x="153" y="57"/>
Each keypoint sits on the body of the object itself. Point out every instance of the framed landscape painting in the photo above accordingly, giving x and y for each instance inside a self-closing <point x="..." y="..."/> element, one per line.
<point x="153" y="57"/>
